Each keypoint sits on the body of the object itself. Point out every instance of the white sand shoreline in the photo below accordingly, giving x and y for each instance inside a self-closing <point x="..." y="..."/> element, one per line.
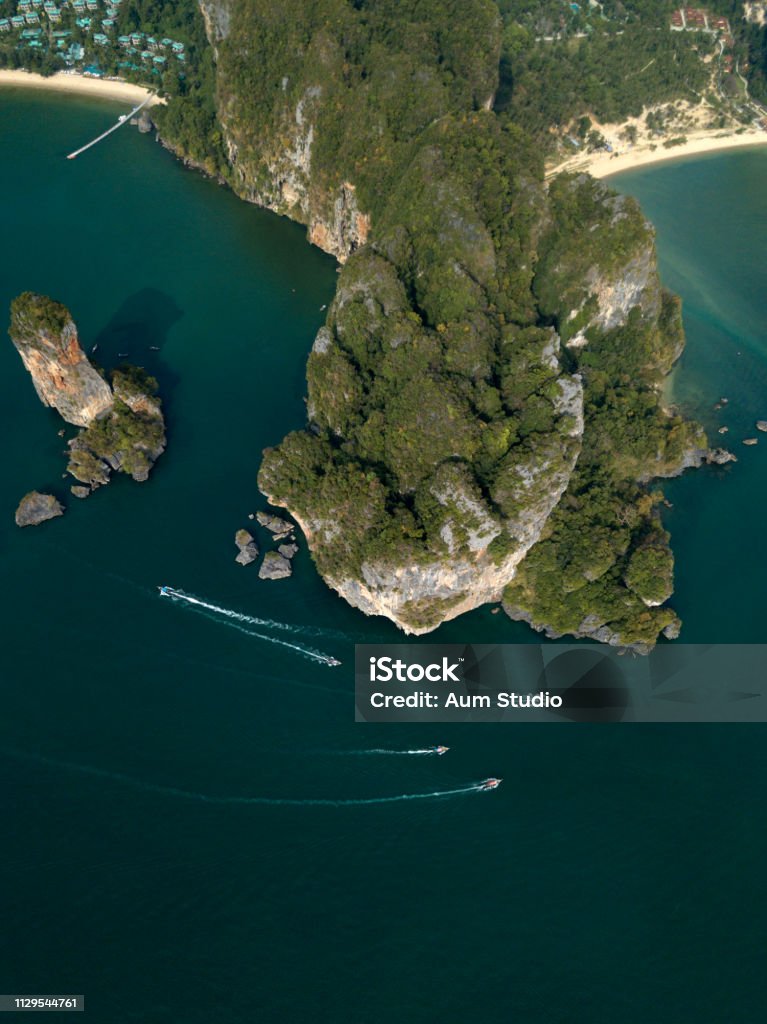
<point x="110" y="89"/>
<point x="604" y="165"/>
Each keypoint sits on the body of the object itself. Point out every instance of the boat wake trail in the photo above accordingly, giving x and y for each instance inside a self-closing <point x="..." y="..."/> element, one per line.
<point x="252" y="620"/>
<point x="381" y="752"/>
<point x="184" y="794"/>
<point x="240" y="621"/>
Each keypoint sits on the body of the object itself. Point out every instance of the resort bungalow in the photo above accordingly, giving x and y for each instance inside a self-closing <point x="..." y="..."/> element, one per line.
<point x="137" y="38"/>
<point x="123" y="41"/>
<point x="75" y="54"/>
<point x="100" y="39"/>
<point x="32" y="18"/>
<point x="31" y="33"/>
<point x="167" y="42"/>
<point x="160" y="61"/>
<point x="23" y="6"/>
<point x="181" y="57"/>
<point x="92" y="5"/>
<point x="93" y="70"/>
<point x="54" y="15"/>
<point x="78" y="6"/>
<point x="17" y="21"/>
<point x="178" y="48"/>
<point x="5" y="25"/>
<point x="83" y="23"/>
<point x="107" y="24"/>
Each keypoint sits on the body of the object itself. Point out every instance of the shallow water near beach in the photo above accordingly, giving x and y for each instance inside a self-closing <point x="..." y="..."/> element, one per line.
<point x="186" y="828"/>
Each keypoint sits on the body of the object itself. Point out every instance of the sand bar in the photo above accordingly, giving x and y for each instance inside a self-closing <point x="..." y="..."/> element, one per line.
<point x="105" y="88"/>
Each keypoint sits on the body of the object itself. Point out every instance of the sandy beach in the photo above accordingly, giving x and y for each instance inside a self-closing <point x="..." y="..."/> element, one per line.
<point x="602" y="164"/>
<point x="67" y="82"/>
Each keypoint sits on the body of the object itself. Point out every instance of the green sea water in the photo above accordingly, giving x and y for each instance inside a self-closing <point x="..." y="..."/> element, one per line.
<point x="167" y="845"/>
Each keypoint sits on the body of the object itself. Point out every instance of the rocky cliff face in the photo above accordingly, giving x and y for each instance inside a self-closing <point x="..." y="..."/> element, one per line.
<point x="46" y="338"/>
<point x="479" y="549"/>
<point x="123" y="425"/>
<point x="310" y="98"/>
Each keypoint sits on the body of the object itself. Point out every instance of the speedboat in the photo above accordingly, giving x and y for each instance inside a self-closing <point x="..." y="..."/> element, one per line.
<point x="164" y="591"/>
<point x="440" y="750"/>
<point x="490" y="784"/>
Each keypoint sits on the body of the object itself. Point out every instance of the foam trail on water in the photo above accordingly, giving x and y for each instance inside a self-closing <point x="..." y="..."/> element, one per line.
<point x="384" y="752"/>
<point x="184" y="794"/>
<point x="252" y="620"/>
<point x="237" y="617"/>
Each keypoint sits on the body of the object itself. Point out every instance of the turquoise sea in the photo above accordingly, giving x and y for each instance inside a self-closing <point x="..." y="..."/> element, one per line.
<point x="168" y="848"/>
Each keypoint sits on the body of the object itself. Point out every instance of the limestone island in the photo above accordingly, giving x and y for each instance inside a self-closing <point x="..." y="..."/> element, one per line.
<point x="121" y="420"/>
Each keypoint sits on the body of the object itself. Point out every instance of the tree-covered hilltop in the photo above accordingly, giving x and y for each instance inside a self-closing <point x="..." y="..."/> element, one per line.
<point x="483" y="406"/>
<point x="321" y="102"/>
<point x="446" y="421"/>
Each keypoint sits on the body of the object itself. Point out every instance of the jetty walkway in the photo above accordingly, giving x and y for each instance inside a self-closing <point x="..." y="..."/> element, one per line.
<point x="121" y="121"/>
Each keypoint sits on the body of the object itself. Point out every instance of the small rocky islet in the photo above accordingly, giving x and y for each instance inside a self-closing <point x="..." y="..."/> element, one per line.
<point x="276" y="565"/>
<point x="35" y="508"/>
<point x="246" y="547"/>
<point x="122" y="428"/>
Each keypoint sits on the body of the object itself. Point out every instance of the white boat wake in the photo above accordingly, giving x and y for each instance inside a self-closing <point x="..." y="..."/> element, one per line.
<point x="240" y="621"/>
<point x="184" y="794"/>
<point x="383" y="752"/>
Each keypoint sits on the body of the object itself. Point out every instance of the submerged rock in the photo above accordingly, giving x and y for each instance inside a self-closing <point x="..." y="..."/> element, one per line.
<point x="80" y="492"/>
<point x="35" y="508"/>
<point x="750" y="440"/>
<point x="274" y="567"/>
<point x="279" y="527"/>
<point x="288" y="550"/>
<point x="761" y="425"/>
<point x="248" y="549"/>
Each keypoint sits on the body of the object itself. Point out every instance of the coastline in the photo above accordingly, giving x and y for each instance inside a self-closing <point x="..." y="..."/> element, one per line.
<point x="110" y="89"/>
<point x="604" y="165"/>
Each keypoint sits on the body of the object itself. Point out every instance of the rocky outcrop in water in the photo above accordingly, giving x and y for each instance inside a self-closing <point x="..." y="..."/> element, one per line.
<point x="274" y="567"/>
<point x="246" y="546"/>
<point x="279" y="527"/>
<point x="128" y="439"/>
<point x="35" y="508"/>
<point x="123" y="425"/>
<point x="45" y="336"/>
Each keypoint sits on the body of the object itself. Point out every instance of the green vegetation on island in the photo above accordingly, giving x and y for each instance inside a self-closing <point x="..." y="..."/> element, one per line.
<point x="484" y="410"/>
<point x="123" y="429"/>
